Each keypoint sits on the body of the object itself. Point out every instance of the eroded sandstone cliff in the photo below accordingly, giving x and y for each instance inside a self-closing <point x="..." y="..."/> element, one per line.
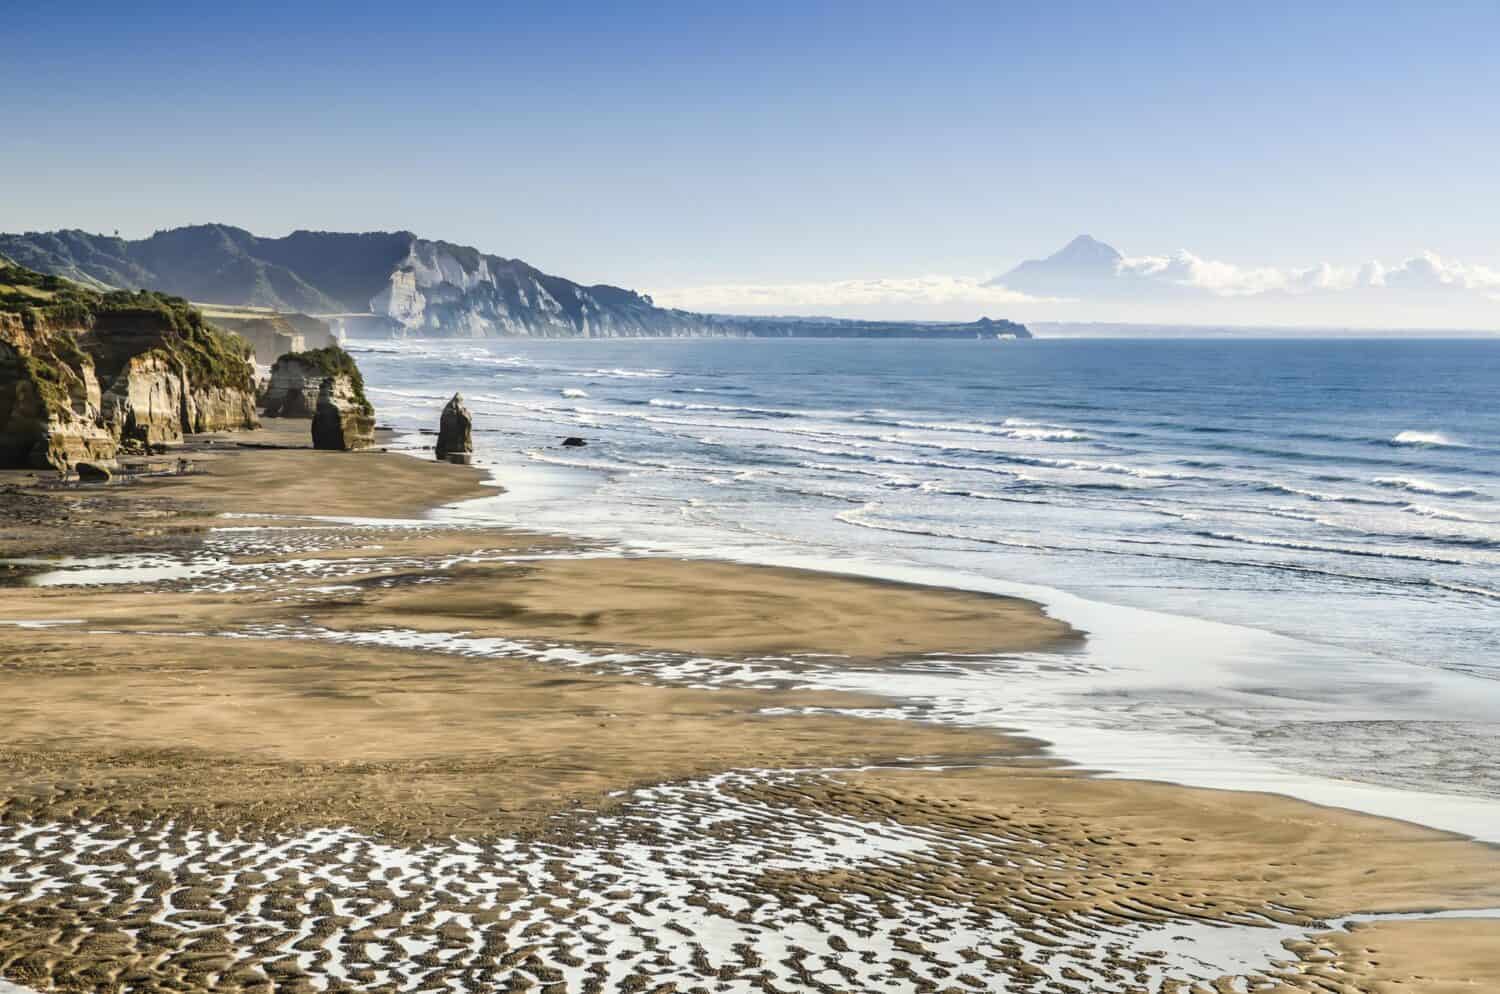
<point x="83" y="372"/>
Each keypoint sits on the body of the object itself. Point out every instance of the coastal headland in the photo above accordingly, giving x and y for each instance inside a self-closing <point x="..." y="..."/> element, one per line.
<point x="268" y="725"/>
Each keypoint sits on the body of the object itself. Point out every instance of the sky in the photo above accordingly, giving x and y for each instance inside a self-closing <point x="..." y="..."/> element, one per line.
<point x="878" y="159"/>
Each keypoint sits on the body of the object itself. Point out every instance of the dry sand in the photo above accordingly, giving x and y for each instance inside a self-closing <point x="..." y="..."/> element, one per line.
<point x="145" y="712"/>
<point x="710" y="607"/>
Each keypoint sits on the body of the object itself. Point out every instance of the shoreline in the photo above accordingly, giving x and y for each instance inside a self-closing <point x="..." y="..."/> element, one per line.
<point x="1115" y="753"/>
<point x="391" y="662"/>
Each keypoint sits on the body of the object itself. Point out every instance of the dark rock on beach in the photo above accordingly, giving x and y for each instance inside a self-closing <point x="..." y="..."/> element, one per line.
<point x="342" y="422"/>
<point x="93" y="473"/>
<point x="455" y="430"/>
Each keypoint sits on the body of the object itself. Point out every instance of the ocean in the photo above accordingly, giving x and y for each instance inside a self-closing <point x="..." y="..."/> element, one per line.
<point x="1286" y="552"/>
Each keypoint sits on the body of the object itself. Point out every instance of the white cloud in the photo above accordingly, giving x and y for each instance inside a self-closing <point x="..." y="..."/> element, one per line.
<point x="1430" y="271"/>
<point x="1186" y="269"/>
<point x="1426" y="271"/>
<point x="1424" y="290"/>
<point x="909" y="298"/>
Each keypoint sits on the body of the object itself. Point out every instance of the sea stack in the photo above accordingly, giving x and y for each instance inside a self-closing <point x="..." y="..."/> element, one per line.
<point x="455" y="432"/>
<point x="341" y="423"/>
<point x="295" y="382"/>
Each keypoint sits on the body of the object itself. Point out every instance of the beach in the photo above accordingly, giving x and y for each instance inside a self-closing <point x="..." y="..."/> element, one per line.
<point x="271" y="726"/>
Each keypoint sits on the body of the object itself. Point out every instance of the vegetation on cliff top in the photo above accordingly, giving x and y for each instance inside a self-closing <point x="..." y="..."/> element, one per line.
<point x="69" y="313"/>
<point x="211" y="356"/>
<point x="334" y="361"/>
<point x="31" y="294"/>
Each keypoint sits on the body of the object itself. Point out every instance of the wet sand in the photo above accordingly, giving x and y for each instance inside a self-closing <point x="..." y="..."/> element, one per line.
<point x="408" y="755"/>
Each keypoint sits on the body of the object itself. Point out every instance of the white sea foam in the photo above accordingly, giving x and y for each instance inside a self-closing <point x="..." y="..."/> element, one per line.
<point x="1467" y="588"/>
<point x="1434" y="439"/>
<point x="1435" y="512"/>
<point x="1015" y="428"/>
<point x="1344" y="550"/>
<point x="1323" y="496"/>
<point x="860" y="517"/>
<point x="678" y="405"/>
<point x="624" y="374"/>
<point x="1423" y="487"/>
<point x="574" y="392"/>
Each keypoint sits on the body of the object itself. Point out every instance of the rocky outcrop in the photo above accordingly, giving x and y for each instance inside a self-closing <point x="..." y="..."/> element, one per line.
<point x="218" y="408"/>
<point x="167" y="374"/>
<point x="292" y="391"/>
<point x="341" y="422"/>
<point x="147" y="400"/>
<point x="82" y="371"/>
<point x="455" y="430"/>
<point x="297" y="379"/>
<point x="50" y="403"/>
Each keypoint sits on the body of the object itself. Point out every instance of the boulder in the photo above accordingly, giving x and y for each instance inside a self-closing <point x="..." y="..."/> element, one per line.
<point x="455" y="429"/>
<point x="341" y="421"/>
<point x="89" y="472"/>
<point x="573" y="442"/>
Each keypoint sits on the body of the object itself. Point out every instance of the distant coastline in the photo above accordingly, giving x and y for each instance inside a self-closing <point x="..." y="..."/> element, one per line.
<point x="397" y="285"/>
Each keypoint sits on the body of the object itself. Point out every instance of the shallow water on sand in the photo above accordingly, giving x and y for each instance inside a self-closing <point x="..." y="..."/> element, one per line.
<point x="1287" y="554"/>
<point x="717" y="878"/>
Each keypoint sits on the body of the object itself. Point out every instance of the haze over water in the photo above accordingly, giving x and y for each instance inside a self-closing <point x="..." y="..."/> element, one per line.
<point x="1331" y="507"/>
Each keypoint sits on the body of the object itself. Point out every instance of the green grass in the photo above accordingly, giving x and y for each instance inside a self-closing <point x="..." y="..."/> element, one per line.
<point x="8" y="290"/>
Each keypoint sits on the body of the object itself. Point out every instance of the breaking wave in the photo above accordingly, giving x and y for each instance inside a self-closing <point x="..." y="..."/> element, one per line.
<point x="1423" y="487"/>
<point x="1429" y="439"/>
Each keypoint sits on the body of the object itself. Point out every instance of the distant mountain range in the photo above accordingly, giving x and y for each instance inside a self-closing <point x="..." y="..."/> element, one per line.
<point x="395" y="283"/>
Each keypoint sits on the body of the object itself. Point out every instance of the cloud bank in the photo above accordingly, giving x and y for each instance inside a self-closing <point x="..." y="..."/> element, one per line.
<point x="899" y="299"/>
<point x="1088" y="280"/>
<point x="1425" y="271"/>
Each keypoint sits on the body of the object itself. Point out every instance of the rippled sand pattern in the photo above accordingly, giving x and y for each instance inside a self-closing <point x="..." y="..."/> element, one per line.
<point x="744" y="882"/>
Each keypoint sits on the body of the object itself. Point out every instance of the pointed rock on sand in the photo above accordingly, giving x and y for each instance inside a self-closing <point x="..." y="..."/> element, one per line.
<point x="455" y="430"/>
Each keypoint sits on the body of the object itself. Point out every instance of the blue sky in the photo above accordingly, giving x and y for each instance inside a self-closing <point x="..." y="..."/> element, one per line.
<point x="691" y="145"/>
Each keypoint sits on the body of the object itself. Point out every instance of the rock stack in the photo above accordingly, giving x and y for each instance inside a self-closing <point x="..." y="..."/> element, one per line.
<point x="455" y="432"/>
<point x="292" y="392"/>
<point x="341" y="422"/>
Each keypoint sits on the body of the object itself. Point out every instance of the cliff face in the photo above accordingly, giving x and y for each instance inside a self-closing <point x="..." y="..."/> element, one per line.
<point x="382" y="283"/>
<point x="387" y="284"/>
<point x="50" y="401"/>
<point x="82" y="372"/>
